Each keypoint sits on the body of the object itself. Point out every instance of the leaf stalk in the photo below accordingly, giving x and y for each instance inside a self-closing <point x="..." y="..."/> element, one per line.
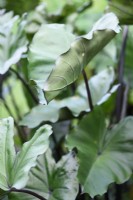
<point x="25" y="84"/>
<point x="88" y="90"/>
<point x="119" y="101"/>
<point x="27" y="192"/>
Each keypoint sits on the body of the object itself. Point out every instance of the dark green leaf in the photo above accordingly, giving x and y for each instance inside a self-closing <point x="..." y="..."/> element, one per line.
<point x="48" y="43"/>
<point x="100" y="90"/>
<point x="123" y="9"/>
<point x="72" y="61"/>
<point x="105" y="156"/>
<point x="20" y="196"/>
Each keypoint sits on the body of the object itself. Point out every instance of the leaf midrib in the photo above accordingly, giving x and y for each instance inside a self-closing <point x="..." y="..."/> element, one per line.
<point x="25" y="152"/>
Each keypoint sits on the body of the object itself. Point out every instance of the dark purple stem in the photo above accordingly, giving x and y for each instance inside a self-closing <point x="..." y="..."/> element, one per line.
<point x="119" y="102"/>
<point x="88" y="90"/>
<point x="27" y="192"/>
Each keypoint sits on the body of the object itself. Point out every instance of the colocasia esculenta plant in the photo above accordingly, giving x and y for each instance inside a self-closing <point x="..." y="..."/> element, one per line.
<point x="66" y="100"/>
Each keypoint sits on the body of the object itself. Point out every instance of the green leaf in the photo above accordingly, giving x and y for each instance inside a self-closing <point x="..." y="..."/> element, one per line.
<point x="20" y="196"/>
<point x="72" y="61"/>
<point x="26" y="158"/>
<point x="13" y="42"/>
<point x="35" y="18"/>
<point x="100" y="91"/>
<point x="105" y="156"/>
<point x="5" y="198"/>
<point x="41" y="113"/>
<point x="3" y="195"/>
<point x="123" y="9"/>
<point x="52" y="180"/>
<point x="14" y="168"/>
<point x="48" y="43"/>
<point x="21" y="6"/>
<point x="5" y="17"/>
<point x="7" y="151"/>
<point x="106" y="57"/>
<point x="99" y="85"/>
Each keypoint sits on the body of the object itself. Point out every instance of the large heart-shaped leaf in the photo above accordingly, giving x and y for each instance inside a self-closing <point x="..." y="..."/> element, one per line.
<point x="105" y="156"/>
<point x="53" y="180"/>
<point x="123" y="9"/>
<point x="14" y="168"/>
<point x="72" y="61"/>
<point x="48" y="43"/>
<point x="13" y="42"/>
<point x="100" y="90"/>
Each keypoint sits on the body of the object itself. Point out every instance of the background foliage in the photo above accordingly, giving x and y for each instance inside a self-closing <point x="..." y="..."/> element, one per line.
<point x="66" y="100"/>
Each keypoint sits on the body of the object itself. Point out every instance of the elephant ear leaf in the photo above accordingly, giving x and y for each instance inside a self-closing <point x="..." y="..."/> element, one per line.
<point x="47" y="45"/>
<point x="105" y="156"/>
<point x="15" y="168"/>
<point x="13" y="41"/>
<point x="53" y="180"/>
<point x="26" y="158"/>
<point x="7" y="151"/>
<point x="70" y="64"/>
